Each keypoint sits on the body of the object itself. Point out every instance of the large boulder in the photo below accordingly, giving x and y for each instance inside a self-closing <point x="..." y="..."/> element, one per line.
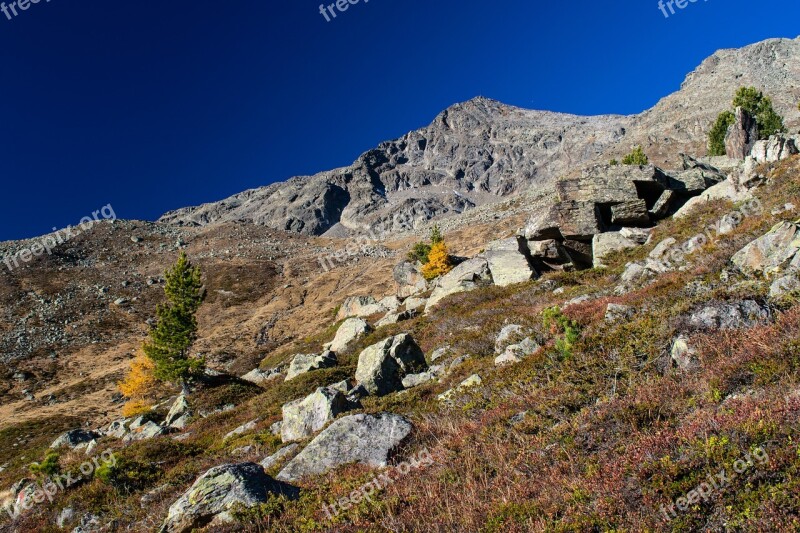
<point x="772" y="253"/>
<point x="605" y="243"/>
<point x="218" y="491"/>
<point x="741" y="136"/>
<point x="630" y="213"/>
<point x="509" y="261"/>
<point x="364" y="439"/>
<point x="302" y="418"/>
<point x="614" y="184"/>
<point x="262" y="377"/>
<point x="409" y="279"/>
<point x="776" y="148"/>
<point x="350" y="330"/>
<point x="467" y="276"/>
<point x="179" y="414"/>
<point x="304" y="363"/>
<point x="75" y="439"/>
<point x="360" y="306"/>
<point x="382" y="366"/>
<point x="728" y="315"/>
<point x="570" y="220"/>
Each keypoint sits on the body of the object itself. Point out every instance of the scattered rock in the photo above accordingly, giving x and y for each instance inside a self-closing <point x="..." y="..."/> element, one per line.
<point x="440" y="352"/>
<point x="515" y="353"/>
<point x="784" y="286"/>
<point x="772" y="253"/>
<point x="179" y="414"/>
<point x="472" y="381"/>
<point x="618" y="313"/>
<point x="302" y="418"/>
<point x="244" y="428"/>
<point x="280" y="456"/>
<point x="217" y="491"/>
<point x="409" y="279"/>
<point x="683" y="354"/>
<point x="262" y="377"/>
<point x="75" y="439"/>
<point x="365" y="439"/>
<point x="360" y="307"/>
<point x="510" y="261"/>
<point x="350" y="330"/>
<point x="467" y="276"/>
<point x="604" y="244"/>
<point x="726" y="315"/>
<point x="511" y="334"/>
<point x="304" y="363"/>
<point x="382" y="366"/>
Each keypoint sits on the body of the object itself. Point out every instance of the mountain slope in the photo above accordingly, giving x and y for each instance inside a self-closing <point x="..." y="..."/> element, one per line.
<point x="480" y="151"/>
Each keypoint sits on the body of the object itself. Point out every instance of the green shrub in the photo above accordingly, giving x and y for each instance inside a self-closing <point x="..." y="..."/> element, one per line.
<point x="419" y="253"/>
<point x="568" y="330"/>
<point x="757" y="105"/>
<point x="48" y="467"/>
<point x="637" y="157"/>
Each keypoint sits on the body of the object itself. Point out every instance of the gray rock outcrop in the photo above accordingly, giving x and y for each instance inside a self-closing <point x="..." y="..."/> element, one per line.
<point x="304" y="363"/>
<point x="217" y="491"/>
<point x="350" y="330"/>
<point x="364" y="439"/>
<point x="302" y="418"/>
<point x="382" y="366"/>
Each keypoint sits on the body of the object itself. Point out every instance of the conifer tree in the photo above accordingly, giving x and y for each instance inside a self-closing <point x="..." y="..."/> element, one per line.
<point x="176" y="328"/>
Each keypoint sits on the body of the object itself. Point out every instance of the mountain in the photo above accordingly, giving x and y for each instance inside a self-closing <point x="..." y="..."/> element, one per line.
<point x="480" y="151"/>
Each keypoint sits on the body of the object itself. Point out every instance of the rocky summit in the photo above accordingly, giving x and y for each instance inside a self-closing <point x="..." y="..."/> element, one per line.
<point x="509" y="320"/>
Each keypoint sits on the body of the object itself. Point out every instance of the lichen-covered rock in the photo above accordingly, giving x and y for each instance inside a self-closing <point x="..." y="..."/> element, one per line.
<point x="365" y="439"/>
<point x="515" y="353"/>
<point x="262" y="377"/>
<point x="510" y="334"/>
<point x="409" y="279"/>
<point x="304" y="363"/>
<point x="467" y="276"/>
<point x="360" y="307"/>
<point x="244" y="428"/>
<point x="217" y="491"/>
<point x="75" y="439"/>
<point x="302" y="418"/>
<point x="772" y="253"/>
<point x="605" y="243"/>
<point x="683" y="354"/>
<point x="280" y="456"/>
<point x="179" y="414"/>
<point x="510" y="261"/>
<point x="727" y="315"/>
<point x="350" y="330"/>
<point x="382" y="366"/>
<point x="472" y="381"/>
<point x="147" y="430"/>
<point x="631" y="213"/>
<point x="617" y="313"/>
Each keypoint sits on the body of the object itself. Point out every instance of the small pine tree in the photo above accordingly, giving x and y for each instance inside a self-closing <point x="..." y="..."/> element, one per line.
<point x="613" y="162"/>
<point x="420" y="252"/>
<point x="439" y="262"/>
<point x="755" y="104"/>
<point x="176" y="327"/>
<point x="637" y="157"/>
<point x="716" y="137"/>
<point x="436" y="235"/>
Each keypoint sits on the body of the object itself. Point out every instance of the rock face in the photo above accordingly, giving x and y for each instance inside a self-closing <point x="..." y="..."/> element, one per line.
<point x="365" y="439"/>
<point x="179" y="414"/>
<point x="510" y="261"/>
<point x="303" y="418"/>
<point x="217" y="491"/>
<point x="742" y="135"/>
<point x="303" y="363"/>
<point x="467" y="276"/>
<point x="382" y="366"/>
<point x="774" y="252"/>
<point x="350" y="330"/>
<point x="448" y="166"/>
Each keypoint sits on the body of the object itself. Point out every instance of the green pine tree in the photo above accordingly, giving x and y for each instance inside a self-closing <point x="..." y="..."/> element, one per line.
<point x="176" y="327"/>
<point x="637" y="157"/>
<point x="716" y="137"/>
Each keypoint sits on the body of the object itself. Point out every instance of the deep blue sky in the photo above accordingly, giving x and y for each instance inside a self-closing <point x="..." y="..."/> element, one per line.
<point x="155" y="105"/>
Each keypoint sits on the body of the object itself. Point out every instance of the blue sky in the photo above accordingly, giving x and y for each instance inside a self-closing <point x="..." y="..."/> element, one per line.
<point x="151" y="106"/>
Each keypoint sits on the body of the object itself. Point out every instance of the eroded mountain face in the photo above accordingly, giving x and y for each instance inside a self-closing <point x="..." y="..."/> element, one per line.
<point x="480" y="151"/>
